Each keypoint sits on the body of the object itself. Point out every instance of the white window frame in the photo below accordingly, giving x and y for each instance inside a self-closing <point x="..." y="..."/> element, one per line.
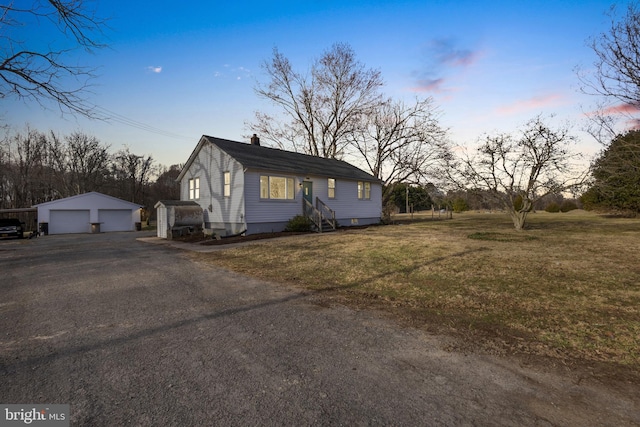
<point x="364" y="190"/>
<point x="226" y="180"/>
<point x="267" y="184"/>
<point x="194" y="188"/>
<point x="331" y="188"/>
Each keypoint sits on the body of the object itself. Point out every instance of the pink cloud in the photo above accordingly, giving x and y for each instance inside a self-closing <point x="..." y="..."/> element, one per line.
<point x="443" y="58"/>
<point x="464" y="59"/>
<point x="535" y="103"/>
<point x="620" y="109"/>
<point x="445" y="52"/>
<point x="633" y="124"/>
<point x="628" y="110"/>
<point x="426" y="85"/>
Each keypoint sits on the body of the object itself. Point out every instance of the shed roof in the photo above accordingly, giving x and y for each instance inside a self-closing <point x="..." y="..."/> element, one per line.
<point x="276" y="160"/>
<point x="176" y="203"/>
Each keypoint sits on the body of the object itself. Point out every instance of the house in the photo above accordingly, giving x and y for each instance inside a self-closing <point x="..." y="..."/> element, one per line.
<point x="88" y="213"/>
<point x="249" y="188"/>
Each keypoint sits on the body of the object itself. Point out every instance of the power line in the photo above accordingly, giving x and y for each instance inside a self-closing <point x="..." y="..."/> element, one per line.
<point x="109" y="115"/>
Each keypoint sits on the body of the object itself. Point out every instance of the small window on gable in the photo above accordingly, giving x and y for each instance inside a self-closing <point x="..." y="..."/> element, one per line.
<point x="194" y="188"/>
<point x="331" y="188"/>
<point x="227" y="184"/>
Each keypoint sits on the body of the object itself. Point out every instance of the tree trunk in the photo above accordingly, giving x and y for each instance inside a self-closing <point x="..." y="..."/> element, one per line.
<point x="519" y="218"/>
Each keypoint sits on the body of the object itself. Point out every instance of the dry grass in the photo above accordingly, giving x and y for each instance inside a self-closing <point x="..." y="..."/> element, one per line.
<point x="568" y="287"/>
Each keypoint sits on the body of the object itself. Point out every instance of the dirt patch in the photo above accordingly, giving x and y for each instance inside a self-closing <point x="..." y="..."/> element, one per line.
<point x="200" y="238"/>
<point x="207" y="240"/>
<point x="488" y="340"/>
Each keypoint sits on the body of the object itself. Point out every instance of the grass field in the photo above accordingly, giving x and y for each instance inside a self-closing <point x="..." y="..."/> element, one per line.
<point x="568" y="287"/>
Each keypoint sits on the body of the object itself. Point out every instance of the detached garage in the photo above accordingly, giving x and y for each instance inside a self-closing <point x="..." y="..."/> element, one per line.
<point x="88" y="213"/>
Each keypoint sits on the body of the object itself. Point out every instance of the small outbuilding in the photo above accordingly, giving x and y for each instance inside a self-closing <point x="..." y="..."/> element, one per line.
<point x="88" y="213"/>
<point x="178" y="217"/>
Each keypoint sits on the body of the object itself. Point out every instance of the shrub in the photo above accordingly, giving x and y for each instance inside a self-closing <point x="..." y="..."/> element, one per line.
<point x="459" y="205"/>
<point x="568" y="205"/>
<point x="553" y="207"/>
<point x="299" y="223"/>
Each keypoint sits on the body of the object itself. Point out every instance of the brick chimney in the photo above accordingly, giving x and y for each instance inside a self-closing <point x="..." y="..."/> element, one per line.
<point x="255" y="140"/>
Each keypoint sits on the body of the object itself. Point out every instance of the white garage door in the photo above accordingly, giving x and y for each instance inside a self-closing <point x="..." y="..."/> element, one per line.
<point x="115" y="220"/>
<point x="64" y="222"/>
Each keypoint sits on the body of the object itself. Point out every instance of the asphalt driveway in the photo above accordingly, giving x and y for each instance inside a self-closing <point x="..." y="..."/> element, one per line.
<point x="130" y="333"/>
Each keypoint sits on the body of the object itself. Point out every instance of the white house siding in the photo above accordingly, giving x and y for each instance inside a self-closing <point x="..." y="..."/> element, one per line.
<point x="162" y="226"/>
<point x="219" y="212"/>
<point x="265" y="216"/>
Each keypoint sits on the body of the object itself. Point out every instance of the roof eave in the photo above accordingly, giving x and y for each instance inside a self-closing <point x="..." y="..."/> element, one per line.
<point x="192" y="157"/>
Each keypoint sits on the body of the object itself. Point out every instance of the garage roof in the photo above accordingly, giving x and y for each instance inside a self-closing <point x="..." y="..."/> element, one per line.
<point x="92" y="198"/>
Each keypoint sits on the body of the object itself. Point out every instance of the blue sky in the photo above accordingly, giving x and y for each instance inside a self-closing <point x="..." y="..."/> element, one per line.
<point x="174" y="71"/>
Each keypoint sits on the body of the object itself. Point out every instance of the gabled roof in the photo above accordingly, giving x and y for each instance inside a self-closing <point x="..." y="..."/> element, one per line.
<point x="94" y="194"/>
<point x="176" y="203"/>
<point x="275" y="160"/>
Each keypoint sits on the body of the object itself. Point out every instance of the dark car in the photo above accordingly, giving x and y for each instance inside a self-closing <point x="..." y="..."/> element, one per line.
<point x="11" y="227"/>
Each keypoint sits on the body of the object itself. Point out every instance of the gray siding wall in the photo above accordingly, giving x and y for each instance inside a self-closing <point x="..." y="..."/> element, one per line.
<point x="272" y="215"/>
<point x="347" y="205"/>
<point x="270" y="211"/>
<point x="219" y="212"/>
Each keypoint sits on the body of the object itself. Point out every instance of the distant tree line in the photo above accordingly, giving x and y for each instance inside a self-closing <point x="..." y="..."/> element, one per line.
<point x="428" y="197"/>
<point x="37" y="167"/>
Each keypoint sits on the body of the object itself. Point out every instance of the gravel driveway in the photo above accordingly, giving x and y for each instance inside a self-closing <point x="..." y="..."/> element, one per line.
<point x="130" y="333"/>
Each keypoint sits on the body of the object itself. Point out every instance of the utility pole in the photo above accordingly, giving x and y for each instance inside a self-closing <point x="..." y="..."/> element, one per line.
<point x="407" y="200"/>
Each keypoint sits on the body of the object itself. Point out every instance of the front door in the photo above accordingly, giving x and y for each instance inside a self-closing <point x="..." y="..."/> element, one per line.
<point x="307" y="191"/>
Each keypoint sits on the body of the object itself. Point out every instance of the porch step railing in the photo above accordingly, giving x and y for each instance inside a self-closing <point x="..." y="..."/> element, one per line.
<point x="322" y="216"/>
<point x="328" y="214"/>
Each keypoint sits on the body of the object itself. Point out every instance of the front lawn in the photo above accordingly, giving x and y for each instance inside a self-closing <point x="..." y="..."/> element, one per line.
<point x="568" y="287"/>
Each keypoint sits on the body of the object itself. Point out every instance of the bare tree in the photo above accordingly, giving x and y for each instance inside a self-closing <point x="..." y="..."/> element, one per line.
<point x="516" y="171"/>
<point x="31" y="73"/>
<point x="87" y="163"/>
<point x="165" y="187"/>
<point x="401" y="143"/>
<point x="321" y="108"/>
<point x="616" y="70"/>
<point x="27" y="179"/>
<point x="615" y="75"/>
<point x="602" y="122"/>
<point x="132" y="174"/>
<point x="6" y="175"/>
